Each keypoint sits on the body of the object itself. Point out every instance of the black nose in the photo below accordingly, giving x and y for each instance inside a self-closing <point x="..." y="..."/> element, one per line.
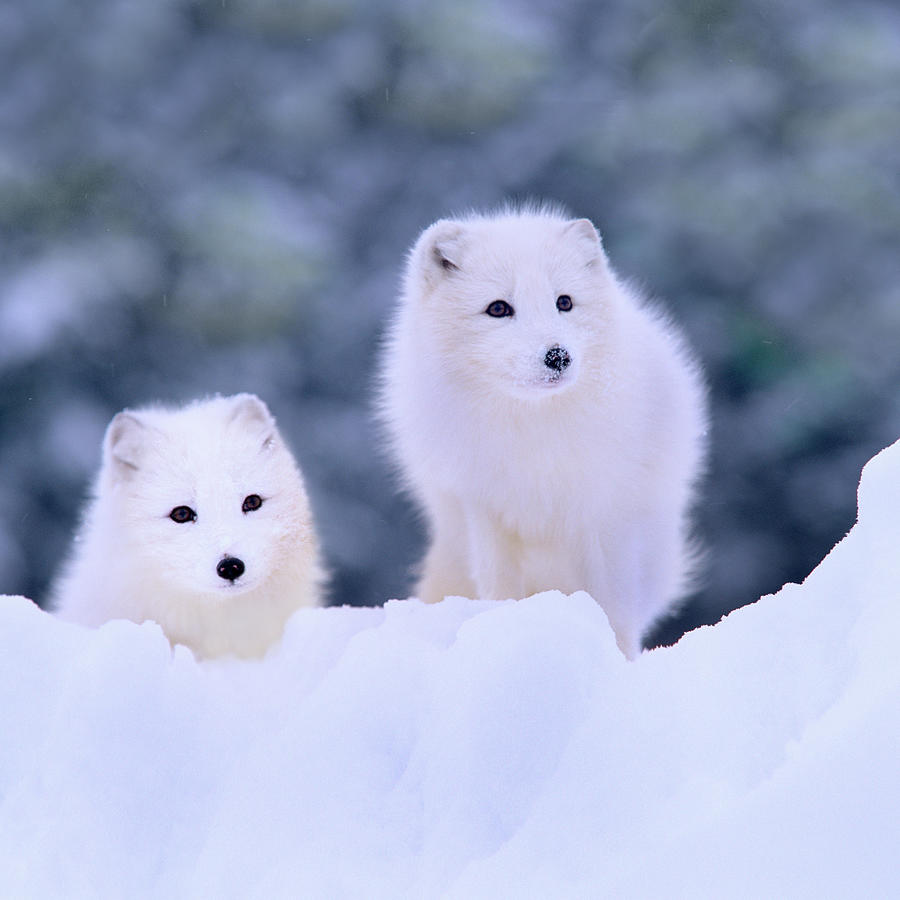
<point x="557" y="359"/>
<point x="230" y="567"/>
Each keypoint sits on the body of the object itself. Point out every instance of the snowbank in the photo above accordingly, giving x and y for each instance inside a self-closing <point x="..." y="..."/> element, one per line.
<point x="469" y="749"/>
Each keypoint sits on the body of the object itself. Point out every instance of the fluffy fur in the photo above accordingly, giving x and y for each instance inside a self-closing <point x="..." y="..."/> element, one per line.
<point x="536" y="477"/>
<point x="132" y="560"/>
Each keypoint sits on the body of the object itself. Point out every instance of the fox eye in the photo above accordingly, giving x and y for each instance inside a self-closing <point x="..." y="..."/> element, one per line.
<point x="182" y="514"/>
<point x="499" y="308"/>
<point x="563" y="302"/>
<point x="251" y="502"/>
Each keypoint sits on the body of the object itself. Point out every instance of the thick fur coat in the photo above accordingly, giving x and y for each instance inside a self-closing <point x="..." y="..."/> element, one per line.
<point x="200" y="522"/>
<point x="550" y="424"/>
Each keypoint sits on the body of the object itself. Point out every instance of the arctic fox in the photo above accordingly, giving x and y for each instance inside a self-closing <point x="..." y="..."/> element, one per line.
<point x="200" y="522"/>
<point x="549" y="423"/>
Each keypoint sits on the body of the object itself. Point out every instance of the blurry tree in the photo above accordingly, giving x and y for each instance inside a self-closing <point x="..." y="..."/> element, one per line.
<point x="204" y="196"/>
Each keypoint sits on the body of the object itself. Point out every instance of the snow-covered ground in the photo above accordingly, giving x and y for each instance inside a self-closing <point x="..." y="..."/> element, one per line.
<point x="469" y="749"/>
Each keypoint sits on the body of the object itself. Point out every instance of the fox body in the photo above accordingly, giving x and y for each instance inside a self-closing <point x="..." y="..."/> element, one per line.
<point x="549" y="423"/>
<point x="200" y="521"/>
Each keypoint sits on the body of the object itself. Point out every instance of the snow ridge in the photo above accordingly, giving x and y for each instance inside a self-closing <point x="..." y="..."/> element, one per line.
<point x="469" y="749"/>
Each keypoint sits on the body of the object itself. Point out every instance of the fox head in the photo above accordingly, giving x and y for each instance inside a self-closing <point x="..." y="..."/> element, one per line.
<point x="207" y="497"/>
<point x="517" y="302"/>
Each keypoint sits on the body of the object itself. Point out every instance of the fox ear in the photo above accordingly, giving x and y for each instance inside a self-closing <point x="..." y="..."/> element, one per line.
<point x="249" y="412"/>
<point x="446" y="245"/>
<point x="584" y="234"/>
<point x="125" y="441"/>
<point x="439" y="250"/>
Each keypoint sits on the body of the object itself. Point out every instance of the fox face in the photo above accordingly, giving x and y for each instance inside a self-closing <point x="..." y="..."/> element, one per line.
<point x="208" y="501"/>
<point x="516" y="302"/>
<point x="210" y="547"/>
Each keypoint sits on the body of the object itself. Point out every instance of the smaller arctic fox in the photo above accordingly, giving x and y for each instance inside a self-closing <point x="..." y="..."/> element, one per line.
<point x="550" y="424"/>
<point x="200" y="522"/>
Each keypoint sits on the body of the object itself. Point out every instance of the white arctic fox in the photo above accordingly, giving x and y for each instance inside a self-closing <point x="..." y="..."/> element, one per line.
<point x="550" y="424"/>
<point x="200" y="522"/>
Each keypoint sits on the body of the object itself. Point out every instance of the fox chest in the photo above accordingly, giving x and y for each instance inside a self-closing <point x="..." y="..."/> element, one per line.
<point x="535" y="482"/>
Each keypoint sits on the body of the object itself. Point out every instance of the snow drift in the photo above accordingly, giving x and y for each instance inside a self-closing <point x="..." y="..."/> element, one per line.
<point x="469" y="749"/>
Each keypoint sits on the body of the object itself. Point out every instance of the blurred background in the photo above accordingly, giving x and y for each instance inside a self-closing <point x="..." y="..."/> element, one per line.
<point x="216" y="196"/>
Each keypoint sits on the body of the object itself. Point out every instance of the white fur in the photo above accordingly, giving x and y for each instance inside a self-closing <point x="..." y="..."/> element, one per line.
<point x="132" y="561"/>
<point x="531" y="482"/>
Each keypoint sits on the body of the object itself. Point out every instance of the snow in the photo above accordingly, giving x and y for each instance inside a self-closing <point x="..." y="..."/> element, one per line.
<point x="469" y="749"/>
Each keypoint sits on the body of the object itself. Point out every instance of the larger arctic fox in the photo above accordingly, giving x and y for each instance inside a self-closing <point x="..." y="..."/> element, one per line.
<point x="201" y="523"/>
<point x="550" y="424"/>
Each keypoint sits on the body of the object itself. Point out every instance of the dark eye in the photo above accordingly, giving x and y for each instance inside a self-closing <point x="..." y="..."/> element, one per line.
<point x="251" y="502"/>
<point x="500" y="308"/>
<point x="182" y="514"/>
<point x="563" y="302"/>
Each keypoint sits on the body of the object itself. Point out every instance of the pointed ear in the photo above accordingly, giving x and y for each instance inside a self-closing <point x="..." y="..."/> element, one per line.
<point x="125" y="442"/>
<point x="585" y="236"/>
<point x="249" y="412"/>
<point x="447" y="245"/>
<point x="439" y="250"/>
